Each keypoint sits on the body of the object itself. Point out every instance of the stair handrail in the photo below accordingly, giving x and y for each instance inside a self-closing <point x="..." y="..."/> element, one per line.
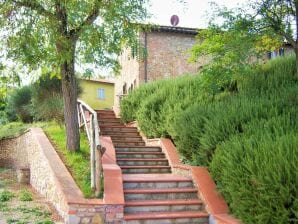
<point x="88" y="117"/>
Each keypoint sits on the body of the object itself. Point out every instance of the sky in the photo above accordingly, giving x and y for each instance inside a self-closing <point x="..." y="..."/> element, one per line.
<point x="192" y="13"/>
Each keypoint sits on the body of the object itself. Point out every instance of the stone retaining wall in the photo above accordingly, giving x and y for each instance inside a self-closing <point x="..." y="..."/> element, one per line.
<point x="49" y="176"/>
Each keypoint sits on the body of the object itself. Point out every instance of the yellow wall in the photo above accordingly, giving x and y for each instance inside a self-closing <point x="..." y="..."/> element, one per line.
<point x="89" y="94"/>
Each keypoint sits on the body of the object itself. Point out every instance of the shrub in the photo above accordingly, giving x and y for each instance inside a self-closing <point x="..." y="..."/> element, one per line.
<point x="6" y="195"/>
<point x="19" y="105"/>
<point x="25" y="195"/>
<point x="47" y="98"/>
<point x="248" y="138"/>
<point x="257" y="171"/>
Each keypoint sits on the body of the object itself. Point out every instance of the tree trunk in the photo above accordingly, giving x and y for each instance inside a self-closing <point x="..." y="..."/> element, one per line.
<point x="69" y="91"/>
<point x="296" y="54"/>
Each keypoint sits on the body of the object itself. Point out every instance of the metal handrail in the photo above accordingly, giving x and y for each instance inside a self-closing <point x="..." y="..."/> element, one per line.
<point x="88" y="117"/>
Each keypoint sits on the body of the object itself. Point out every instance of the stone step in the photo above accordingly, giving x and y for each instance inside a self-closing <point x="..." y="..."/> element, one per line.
<point x="145" y="155"/>
<point x="186" y="217"/>
<point x="142" y="162"/>
<point x="160" y="194"/>
<point x="163" y="205"/>
<point x="138" y="149"/>
<point x="128" y="143"/>
<point x="146" y="169"/>
<point x="157" y="181"/>
<point x="126" y="138"/>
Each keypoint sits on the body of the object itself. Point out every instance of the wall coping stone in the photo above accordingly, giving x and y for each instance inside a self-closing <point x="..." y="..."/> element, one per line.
<point x="113" y="181"/>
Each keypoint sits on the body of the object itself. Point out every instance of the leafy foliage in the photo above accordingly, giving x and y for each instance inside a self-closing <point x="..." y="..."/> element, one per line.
<point x="19" y="104"/>
<point x="47" y="103"/>
<point x="25" y="195"/>
<point x="233" y="48"/>
<point x="248" y="139"/>
<point x="56" y="34"/>
<point x="6" y="196"/>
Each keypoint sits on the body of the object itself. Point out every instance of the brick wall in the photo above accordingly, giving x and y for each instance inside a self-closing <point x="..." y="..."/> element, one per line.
<point x="167" y="56"/>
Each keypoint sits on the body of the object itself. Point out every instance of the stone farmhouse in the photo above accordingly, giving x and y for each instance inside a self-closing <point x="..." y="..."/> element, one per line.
<point x="167" y="51"/>
<point x="166" y="55"/>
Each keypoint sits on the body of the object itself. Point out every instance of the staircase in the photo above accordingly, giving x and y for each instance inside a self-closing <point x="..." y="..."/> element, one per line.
<point x="152" y="193"/>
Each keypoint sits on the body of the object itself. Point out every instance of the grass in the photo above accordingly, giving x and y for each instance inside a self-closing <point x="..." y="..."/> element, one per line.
<point x="77" y="162"/>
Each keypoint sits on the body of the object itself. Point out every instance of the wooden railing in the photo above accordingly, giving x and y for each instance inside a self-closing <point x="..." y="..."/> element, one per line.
<point x="88" y="117"/>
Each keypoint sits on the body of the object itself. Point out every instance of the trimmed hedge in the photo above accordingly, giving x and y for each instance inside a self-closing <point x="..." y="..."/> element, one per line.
<point x="249" y="139"/>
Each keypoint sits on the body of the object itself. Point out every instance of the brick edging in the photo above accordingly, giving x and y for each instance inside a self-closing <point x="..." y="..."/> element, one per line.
<point x="215" y="203"/>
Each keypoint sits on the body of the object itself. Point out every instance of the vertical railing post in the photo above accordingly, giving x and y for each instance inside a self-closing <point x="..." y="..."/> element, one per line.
<point x="92" y="131"/>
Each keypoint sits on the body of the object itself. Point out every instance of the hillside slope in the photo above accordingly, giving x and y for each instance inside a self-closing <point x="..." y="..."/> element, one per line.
<point x="248" y="138"/>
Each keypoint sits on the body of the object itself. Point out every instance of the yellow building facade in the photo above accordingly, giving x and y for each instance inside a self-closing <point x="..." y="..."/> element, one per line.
<point x="98" y="94"/>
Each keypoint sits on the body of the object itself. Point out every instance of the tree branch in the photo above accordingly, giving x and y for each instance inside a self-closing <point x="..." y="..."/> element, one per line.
<point x="35" y="7"/>
<point x="88" y="21"/>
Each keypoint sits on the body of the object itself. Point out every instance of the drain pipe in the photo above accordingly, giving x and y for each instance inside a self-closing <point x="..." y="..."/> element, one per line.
<point x="146" y="62"/>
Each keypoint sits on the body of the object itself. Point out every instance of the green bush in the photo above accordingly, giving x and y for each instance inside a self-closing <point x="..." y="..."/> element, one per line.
<point x="25" y="195"/>
<point x="248" y="137"/>
<point x="47" y="101"/>
<point x="19" y="105"/>
<point x="257" y="172"/>
<point x="6" y="196"/>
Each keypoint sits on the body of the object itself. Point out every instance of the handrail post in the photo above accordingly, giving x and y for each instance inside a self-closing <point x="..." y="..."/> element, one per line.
<point x="92" y="131"/>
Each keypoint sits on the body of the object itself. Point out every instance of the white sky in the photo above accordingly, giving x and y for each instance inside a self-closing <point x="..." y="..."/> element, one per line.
<point x="192" y="13"/>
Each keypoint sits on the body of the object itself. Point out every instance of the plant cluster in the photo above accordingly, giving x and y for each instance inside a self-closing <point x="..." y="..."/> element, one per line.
<point x="248" y="138"/>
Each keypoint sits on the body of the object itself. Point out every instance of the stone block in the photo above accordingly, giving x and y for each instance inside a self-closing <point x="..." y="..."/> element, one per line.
<point x="23" y="175"/>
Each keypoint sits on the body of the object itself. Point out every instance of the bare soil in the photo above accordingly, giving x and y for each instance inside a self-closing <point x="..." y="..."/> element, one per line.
<point x="17" y="211"/>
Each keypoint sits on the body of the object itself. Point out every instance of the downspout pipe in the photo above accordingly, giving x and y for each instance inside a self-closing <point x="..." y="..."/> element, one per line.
<point x="146" y="61"/>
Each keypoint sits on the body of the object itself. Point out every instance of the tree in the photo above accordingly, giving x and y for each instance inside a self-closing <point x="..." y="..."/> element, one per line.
<point x="281" y="16"/>
<point x="58" y="34"/>
<point x="233" y="46"/>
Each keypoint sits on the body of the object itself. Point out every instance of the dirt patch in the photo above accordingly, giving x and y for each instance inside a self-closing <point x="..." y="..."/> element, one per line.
<point x="21" y="204"/>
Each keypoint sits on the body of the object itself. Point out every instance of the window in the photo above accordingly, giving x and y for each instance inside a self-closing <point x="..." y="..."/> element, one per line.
<point x="101" y="94"/>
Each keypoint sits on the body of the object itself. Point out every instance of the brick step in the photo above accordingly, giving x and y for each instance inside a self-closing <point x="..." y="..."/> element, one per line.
<point x="160" y="194"/>
<point x="126" y="138"/>
<point x="163" y="205"/>
<point x="190" y="217"/>
<point x="106" y="116"/>
<point x="138" y="149"/>
<point x="117" y="128"/>
<point x="142" y="162"/>
<point x="109" y="118"/>
<point x="110" y="122"/>
<point x="122" y="133"/>
<point x="145" y="155"/>
<point x="128" y="143"/>
<point x="146" y="169"/>
<point x="157" y="181"/>
<point x="105" y="111"/>
<point x="132" y="133"/>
